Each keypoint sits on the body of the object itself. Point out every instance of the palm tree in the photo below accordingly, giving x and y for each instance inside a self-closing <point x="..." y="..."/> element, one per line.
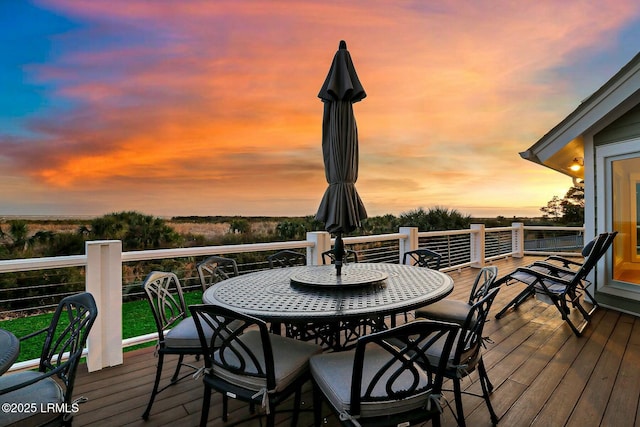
<point x="17" y="240"/>
<point x="135" y="230"/>
<point x="435" y="219"/>
<point x="17" y="236"/>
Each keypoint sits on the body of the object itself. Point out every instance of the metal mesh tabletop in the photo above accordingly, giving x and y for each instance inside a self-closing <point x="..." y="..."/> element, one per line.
<point x="270" y="295"/>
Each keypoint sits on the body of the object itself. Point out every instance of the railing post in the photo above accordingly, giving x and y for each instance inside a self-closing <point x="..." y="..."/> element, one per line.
<point x="517" y="239"/>
<point x="408" y="244"/>
<point x="104" y="281"/>
<point x="477" y="249"/>
<point x="322" y="243"/>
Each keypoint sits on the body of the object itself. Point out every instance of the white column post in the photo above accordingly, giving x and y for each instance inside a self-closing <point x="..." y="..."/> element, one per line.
<point x="517" y="239"/>
<point x="322" y="243"/>
<point x="477" y="245"/>
<point x="104" y="282"/>
<point x="408" y="244"/>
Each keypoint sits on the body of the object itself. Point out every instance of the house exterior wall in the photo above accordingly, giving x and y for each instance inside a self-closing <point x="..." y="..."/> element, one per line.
<point x="626" y="127"/>
<point x="623" y="132"/>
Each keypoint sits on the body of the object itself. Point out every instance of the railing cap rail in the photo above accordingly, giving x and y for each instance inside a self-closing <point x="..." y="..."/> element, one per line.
<point x="378" y="238"/>
<point x="214" y="250"/>
<point x="445" y="233"/>
<point x="559" y="228"/>
<point x="27" y="264"/>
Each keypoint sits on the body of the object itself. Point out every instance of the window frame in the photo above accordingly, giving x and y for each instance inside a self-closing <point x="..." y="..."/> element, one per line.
<point x="605" y="182"/>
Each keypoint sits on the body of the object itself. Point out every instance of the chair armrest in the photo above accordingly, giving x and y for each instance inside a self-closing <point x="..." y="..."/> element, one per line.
<point x="565" y="261"/>
<point x="553" y="268"/>
<point x="33" y="334"/>
<point x="34" y="380"/>
<point x="541" y="277"/>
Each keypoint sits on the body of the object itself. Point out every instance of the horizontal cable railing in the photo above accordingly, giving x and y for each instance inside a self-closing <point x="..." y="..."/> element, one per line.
<point x="554" y="240"/>
<point x="65" y="275"/>
<point x="498" y="242"/>
<point x="454" y="246"/>
<point x="62" y="276"/>
<point x="58" y="277"/>
<point x="383" y="248"/>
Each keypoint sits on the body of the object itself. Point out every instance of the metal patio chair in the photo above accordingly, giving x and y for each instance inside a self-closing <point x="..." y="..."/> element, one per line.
<point x="328" y="257"/>
<point x="387" y="380"/>
<point x="214" y="269"/>
<point x="287" y="258"/>
<point x="177" y="333"/>
<point x="53" y="382"/>
<point x="466" y="356"/>
<point x="423" y="258"/>
<point x="244" y="361"/>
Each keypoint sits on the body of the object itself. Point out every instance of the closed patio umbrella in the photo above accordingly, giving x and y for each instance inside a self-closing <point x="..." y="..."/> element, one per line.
<point x="341" y="209"/>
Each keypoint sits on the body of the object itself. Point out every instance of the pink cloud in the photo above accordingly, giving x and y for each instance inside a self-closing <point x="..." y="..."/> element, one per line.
<point x="225" y="93"/>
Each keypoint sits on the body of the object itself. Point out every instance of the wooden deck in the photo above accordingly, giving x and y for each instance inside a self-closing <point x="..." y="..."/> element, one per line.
<point x="543" y="374"/>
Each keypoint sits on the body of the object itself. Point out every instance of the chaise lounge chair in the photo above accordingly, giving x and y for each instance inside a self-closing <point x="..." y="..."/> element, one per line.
<point x="559" y="285"/>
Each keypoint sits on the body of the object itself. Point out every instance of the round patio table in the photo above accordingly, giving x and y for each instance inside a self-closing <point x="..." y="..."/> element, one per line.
<point x="271" y="295"/>
<point x="9" y="350"/>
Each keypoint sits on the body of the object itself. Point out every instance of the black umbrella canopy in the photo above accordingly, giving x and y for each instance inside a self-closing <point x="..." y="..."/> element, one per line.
<point x="341" y="208"/>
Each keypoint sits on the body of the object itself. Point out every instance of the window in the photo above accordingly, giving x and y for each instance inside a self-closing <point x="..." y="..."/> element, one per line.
<point x="626" y="183"/>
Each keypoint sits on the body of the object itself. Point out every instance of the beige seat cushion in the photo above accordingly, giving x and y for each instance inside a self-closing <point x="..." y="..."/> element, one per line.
<point x="446" y="310"/>
<point x="46" y="391"/>
<point x="185" y="334"/>
<point x="291" y="359"/>
<point x="332" y="372"/>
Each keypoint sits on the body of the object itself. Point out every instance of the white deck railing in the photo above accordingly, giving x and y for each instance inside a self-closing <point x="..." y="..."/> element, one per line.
<point x="104" y="260"/>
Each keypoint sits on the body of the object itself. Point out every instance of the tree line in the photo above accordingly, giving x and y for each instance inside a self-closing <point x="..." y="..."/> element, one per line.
<point x="139" y="231"/>
<point x="569" y="210"/>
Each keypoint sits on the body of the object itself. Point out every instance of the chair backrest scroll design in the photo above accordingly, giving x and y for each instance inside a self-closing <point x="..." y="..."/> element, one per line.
<point x="406" y="347"/>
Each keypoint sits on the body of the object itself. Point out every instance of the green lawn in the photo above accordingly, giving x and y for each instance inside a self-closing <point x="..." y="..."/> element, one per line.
<point x="136" y="320"/>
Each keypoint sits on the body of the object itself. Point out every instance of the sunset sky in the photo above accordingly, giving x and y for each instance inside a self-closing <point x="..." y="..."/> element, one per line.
<point x="206" y="107"/>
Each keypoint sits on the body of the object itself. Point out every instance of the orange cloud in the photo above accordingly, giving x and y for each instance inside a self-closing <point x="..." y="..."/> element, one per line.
<point x="185" y="99"/>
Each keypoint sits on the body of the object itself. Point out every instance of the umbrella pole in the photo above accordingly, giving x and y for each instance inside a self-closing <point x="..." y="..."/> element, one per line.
<point x="338" y="253"/>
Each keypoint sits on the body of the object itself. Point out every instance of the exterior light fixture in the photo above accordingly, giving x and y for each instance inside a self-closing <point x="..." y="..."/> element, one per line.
<point x="577" y="164"/>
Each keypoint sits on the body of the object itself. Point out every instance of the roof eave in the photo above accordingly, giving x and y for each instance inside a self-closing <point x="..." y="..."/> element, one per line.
<point x="605" y="105"/>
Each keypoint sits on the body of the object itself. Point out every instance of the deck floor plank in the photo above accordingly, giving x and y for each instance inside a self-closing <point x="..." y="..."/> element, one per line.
<point x="556" y="356"/>
<point x="623" y="403"/>
<point x="562" y="401"/>
<point x="593" y="402"/>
